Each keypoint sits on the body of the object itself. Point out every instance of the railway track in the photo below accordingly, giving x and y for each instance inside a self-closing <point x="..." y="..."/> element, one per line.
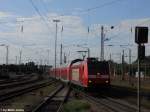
<point x="123" y="105"/>
<point x="17" y="83"/>
<point x="54" y="101"/>
<point x="22" y="90"/>
<point x="8" y="88"/>
<point x="8" y="81"/>
<point x="111" y="105"/>
<point x="125" y="91"/>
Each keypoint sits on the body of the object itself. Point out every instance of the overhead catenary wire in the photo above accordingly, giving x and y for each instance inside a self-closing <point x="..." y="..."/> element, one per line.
<point x="45" y="9"/>
<point x="103" y="5"/>
<point x="38" y="12"/>
<point x="130" y="29"/>
<point x="44" y="5"/>
<point x="99" y="6"/>
<point x="116" y="35"/>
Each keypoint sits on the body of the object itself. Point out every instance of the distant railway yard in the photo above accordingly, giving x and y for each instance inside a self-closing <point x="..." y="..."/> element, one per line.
<point x="39" y="93"/>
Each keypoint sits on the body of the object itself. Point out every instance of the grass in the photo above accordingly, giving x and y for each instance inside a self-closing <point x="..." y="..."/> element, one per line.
<point x="125" y="83"/>
<point x="29" y="99"/>
<point x="76" y="106"/>
<point x="144" y="102"/>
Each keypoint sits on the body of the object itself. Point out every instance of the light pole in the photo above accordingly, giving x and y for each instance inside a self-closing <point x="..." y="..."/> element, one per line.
<point x="56" y="21"/>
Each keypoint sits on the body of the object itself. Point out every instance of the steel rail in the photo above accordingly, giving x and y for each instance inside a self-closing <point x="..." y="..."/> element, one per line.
<point x="14" y="84"/>
<point x="64" y="101"/>
<point x="49" y="99"/>
<point x="114" y="106"/>
<point x="24" y="90"/>
<point x="7" y="81"/>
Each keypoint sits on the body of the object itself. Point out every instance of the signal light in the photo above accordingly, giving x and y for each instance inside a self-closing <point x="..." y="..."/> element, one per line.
<point x="141" y="52"/>
<point x="90" y="81"/>
<point x="106" y="81"/>
<point x="141" y="34"/>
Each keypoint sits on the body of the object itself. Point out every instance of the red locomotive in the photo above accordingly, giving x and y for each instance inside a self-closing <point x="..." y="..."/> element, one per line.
<point x="84" y="73"/>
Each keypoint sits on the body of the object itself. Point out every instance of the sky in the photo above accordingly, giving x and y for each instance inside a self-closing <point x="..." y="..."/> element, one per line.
<point x="27" y="26"/>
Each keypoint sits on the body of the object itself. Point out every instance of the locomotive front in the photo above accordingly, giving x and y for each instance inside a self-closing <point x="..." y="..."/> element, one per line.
<point x="98" y="73"/>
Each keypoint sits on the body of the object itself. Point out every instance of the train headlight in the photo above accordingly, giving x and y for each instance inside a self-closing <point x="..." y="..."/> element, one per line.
<point x="107" y="81"/>
<point x="90" y="81"/>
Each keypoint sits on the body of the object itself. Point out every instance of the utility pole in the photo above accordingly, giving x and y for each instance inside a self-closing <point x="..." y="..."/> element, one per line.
<point x="16" y="59"/>
<point x="20" y="56"/>
<point x="102" y="43"/>
<point x="65" y="58"/>
<point x="130" y="56"/>
<point x="123" y="65"/>
<point x="110" y="56"/>
<point x="145" y="71"/>
<point x="61" y="54"/>
<point x="88" y="49"/>
<point x="129" y="65"/>
<point x="56" y="21"/>
<point x="48" y="57"/>
<point x="61" y="47"/>
<point x="7" y="54"/>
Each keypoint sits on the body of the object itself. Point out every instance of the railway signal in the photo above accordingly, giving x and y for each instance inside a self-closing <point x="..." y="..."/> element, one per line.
<point x="141" y="37"/>
<point x="141" y="51"/>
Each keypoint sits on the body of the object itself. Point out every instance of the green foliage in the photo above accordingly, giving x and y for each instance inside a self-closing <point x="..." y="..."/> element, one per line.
<point x="76" y="106"/>
<point x="118" y="67"/>
<point x="27" y="68"/>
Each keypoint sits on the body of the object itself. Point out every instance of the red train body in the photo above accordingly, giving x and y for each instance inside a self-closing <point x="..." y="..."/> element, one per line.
<point x="87" y="73"/>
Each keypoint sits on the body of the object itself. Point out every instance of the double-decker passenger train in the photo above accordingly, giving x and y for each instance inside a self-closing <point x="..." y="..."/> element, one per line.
<point x="84" y="73"/>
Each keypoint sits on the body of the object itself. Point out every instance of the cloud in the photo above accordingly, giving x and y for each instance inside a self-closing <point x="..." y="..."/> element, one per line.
<point x="122" y="34"/>
<point x="36" y="32"/>
<point x="36" y="37"/>
<point x="4" y="14"/>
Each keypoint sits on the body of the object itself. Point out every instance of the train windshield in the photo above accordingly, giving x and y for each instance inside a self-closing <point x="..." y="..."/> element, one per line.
<point x="95" y="67"/>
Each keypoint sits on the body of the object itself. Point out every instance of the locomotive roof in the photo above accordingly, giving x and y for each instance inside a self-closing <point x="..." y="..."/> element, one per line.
<point x="79" y="61"/>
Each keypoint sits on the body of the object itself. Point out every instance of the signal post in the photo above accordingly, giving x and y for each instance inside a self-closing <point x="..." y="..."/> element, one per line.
<point x="141" y="37"/>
